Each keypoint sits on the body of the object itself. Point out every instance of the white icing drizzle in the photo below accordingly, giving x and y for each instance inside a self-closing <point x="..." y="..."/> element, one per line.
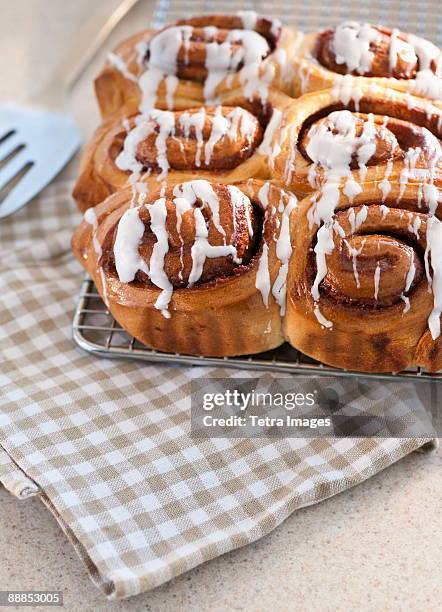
<point x="222" y="61"/>
<point x="432" y="197"/>
<point x="276" y="27"/>
<point x="377" y="280"/>
<point x="118" y="62"/>
<point x="324" y="246"/>
<point x="263" y="194"/>
<point x="181" y="206"/>
<point x="267" y="147"/>
<point x="304" y="73"/>
<point x="356" y="220"/>
<point x="187" y="35"/>
<point x="238" y="198"/>
<point x="385" y="186"/>
<point x="145" y="125"/>
<point x="202" y="249"/>
<point x="345" y="89"/>
<point x="407" y="306"/>
<point x="220" y="127"/>
<point x="409" y="277"/>
<point x="420" y="195"/>
<point x="195" y="120"/>
<point x="90" y="216"/>
<point x="126" y="160"/>
<point x="126" y="124"/>
<point x="400" y="49"/>
<point x="333" y="149"/>
<point x="202" y="190"/>
<point x="410" y="160"/>
<point x="141" y="51"/>
<point x="290" y="164"/>
<point x="352" y="219"/>
<point x="166" y="122"/>
<point x="238" y="120"/>
<point x="158" y="276"/>
<point x="427" y="83"/>
<point x="262" y="282"/>
<point x="352" y="188"/>
<point x="351" y="45"/>
<point x="321" y="319"/>
<point x="414" y="223"/>
<point x="361" y="217"/>
<point x="338" y="229"/>
<point x="384" y="210"/>
<point x="127" y="258"/>
<point x="283" y="253"/>
<point x="286" y="67"/>
<point x="434" y="250"/>
<point x="163" y="53"/>
<point x="354" y="253"/>
<point x="433" y="149"/>
<point x="333" y="144"/>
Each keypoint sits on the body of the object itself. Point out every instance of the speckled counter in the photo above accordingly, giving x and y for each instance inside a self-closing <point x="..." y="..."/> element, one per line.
<point x="375" y="547"/>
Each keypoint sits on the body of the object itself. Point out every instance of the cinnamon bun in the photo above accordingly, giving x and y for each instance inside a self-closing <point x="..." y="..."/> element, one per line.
<point x="369" y="54"/>
<point x="198" y="268"/>
<point x="365" y="286"/>
<point x="195" y="60"/>
<point x="357" y="137"/>
<point x="192" y="230"/>
<point x="226" y="143"/>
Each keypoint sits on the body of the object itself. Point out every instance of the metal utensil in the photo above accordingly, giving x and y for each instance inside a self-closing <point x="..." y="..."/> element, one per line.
<point x="35" y="143"/>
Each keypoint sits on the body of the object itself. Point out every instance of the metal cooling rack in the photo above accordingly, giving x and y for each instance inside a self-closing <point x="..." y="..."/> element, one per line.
<point x="421" y="17"/>
<point x="95" y="330"/>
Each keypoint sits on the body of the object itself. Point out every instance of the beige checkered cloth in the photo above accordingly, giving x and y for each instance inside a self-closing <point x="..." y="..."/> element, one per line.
<point x="106" y="443"/>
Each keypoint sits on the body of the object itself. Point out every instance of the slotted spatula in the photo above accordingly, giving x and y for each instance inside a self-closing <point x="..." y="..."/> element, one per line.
<point x="35" y="143"/>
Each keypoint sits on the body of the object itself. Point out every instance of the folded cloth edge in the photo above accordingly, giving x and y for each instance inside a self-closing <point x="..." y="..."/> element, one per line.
<point x="121" y="587"/>
<point x="14" y="479"/>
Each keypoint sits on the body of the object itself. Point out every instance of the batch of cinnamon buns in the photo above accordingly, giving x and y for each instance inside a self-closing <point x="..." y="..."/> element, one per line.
<point x="251" y="185"/>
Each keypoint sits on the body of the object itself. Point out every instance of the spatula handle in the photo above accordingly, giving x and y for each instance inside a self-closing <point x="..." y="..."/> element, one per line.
<point x="87" y="44"/>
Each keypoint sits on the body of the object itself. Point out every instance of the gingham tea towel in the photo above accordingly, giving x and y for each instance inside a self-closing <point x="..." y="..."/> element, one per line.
<point x="106" y="444"/>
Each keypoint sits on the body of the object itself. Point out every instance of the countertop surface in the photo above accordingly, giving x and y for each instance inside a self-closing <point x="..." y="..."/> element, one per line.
<point x="375" y="547"/>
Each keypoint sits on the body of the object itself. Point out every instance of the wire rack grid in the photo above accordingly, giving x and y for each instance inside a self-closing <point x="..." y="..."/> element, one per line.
<point x="96" y="331"/>
<point x="94" y="328"/>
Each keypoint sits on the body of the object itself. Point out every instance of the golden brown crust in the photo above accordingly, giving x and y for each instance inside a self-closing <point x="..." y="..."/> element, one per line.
<point x="371" y="327"/>
<point x="398" y="120"/>
<point x="226" y="316"/>
<point x="91" y="187"/>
